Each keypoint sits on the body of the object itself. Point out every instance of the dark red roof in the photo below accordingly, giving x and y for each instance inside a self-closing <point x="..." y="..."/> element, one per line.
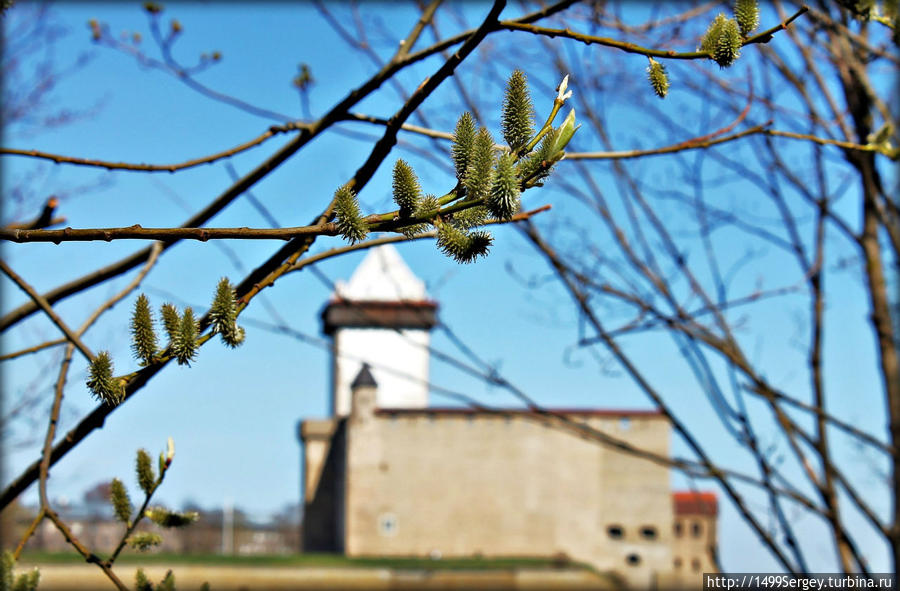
<point x="695" y="503"/>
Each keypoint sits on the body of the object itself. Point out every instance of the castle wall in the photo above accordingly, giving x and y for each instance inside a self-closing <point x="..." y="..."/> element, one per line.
<point x="458" y="484"/>
<point x="324" y="469"/>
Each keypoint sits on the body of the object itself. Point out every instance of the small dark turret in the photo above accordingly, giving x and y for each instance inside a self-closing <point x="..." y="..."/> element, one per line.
<point x="364" y="378"/>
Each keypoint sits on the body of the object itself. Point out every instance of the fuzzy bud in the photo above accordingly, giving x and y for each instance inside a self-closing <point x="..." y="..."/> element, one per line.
<point x="349" y="221"/>
<point x="171" y="320"/>
<point x="746" y="12"/>
<point x="165" y="518"/>
<point x="470" y="218"/>
<point x="503" y="202"/>
<point x="143" y="334"/>
<point x="223" y="314"/>
<point x="723" y="40"/>
<point x="461" y="246"/>
<point x="463" y="144"/>
<point x="101" y="382"/>
<point x="517" y="121"/>
<point x="141" y="582"/>
<point x="143" y="541"/>
<point x="185" y="343"/>
<point x="427" y="208"/>
<point x="566" y="131"/>
<point x="170" y="451"/>
<point x="168" y="582"/>
<point x="479" y="176"/>
<point x="407" y="191"/>
<point x="656" y="72"/>
<point x="118" y="496"/>
<point x="145" y="476"/>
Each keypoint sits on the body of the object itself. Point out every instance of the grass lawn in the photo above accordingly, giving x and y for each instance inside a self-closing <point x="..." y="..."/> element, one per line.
<point x="310" y="560"/>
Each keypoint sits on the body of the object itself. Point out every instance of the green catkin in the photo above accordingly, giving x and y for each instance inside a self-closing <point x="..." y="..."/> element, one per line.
<point x="101" y="382"/>
<point x="479" y="175"/>
<point x="517" y="121"/>
<point x="723" y="40"/>
<point x="659" y="80"/>
<point x="223" y="314"/>
<point x="728" y="49"/>
<point x="185" y="345"/>
<point x="503" y="202"/>
<point x="141" y="582"/>
<point x="461" y="246"/>
<point x="143" y="541"/>
<point x="143" y="334"/>
<point x="118" y="496"/>
<point x="144" y="469"/>
<point x="406" y="189"/>
<point x="427" y="207"/>
<point x="165" y="518"/>
<point x="168" y="582"/>
<point x="470" y="218"/>
<point x="463" y="144"/>
<point x="746" y="12"/>
<point x="171" y="320"/>
<point x="348" y="218"/>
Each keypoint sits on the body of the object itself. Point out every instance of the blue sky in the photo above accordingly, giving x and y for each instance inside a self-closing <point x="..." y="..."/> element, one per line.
<point x="233" y="414"/>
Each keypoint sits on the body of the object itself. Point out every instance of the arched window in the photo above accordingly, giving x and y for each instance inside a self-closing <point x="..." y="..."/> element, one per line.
<point x="633" y="559"/>
<point x="679" y="529"/>
<point x="695" y="564"/>
<point x="696" y="529"/>
<point x="677" y="562"/>
<point x="648" y="532"/>
<point x="615" y="532"/>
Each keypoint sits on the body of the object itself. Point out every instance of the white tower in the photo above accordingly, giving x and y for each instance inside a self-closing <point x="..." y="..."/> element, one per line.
<point x="382" y="317"/>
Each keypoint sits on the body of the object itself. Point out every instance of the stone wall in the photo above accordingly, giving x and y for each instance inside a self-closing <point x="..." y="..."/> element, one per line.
<point x="457" y="483"/>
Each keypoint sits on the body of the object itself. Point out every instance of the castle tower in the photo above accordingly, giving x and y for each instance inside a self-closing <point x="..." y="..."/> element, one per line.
<point x="382" y="317"/>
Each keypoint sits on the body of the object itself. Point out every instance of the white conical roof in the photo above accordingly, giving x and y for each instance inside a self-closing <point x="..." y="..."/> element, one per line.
<point x="382" y="276"/>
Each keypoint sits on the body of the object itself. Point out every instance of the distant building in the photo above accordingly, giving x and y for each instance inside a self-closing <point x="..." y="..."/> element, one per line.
<point x="695" y="534"/>
<point x="388" y="475"/>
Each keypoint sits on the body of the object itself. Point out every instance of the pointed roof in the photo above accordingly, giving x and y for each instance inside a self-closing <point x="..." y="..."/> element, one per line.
<point x="364" y="378"/>
<point x="382" y="276"/>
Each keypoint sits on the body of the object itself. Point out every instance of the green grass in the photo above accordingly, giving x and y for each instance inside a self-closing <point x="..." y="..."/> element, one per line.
<point x="309" y="560"/>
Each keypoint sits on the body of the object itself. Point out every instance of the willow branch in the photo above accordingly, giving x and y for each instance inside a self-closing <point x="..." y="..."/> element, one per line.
<point x="108" y="165"/>
<point x="334" y="115"/>
<point x="763" y="37"/>
<point x="30" y="350"/>
<point x="46" y="307"/>
<point x="277" y="264"/>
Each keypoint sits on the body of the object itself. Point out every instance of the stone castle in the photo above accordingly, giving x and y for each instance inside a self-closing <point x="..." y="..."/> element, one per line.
<point x="389" y="475"/>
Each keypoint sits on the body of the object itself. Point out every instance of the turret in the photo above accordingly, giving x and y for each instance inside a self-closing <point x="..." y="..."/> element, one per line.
<point x="381" y="317"/>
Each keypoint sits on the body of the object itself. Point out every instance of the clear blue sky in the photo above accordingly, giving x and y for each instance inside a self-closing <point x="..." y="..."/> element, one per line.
<point x="233" y="414"/>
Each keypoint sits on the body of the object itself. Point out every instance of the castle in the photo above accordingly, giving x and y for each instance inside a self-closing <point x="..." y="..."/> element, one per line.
<point x="388" y="474"/>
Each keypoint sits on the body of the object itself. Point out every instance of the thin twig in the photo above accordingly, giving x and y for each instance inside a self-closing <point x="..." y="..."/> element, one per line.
<point x="46" y="307"/>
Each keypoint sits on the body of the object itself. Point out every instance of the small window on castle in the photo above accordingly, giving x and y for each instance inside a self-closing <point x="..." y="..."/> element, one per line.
<point x="695" y="564"/>
<point x="696" y="529"/>
<point x="387" y="524"/>
<point x="633" y="559"/>
<point x="677" y="562"/>
<point x="615" y="532"/>
<point x="648" y="532"/>
<point x="679" y="529"/>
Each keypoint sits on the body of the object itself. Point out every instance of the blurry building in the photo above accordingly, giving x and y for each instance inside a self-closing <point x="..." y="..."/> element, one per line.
<point x="389" y="475"/>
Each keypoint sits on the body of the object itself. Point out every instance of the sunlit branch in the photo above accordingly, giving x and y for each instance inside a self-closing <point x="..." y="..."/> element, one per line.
<point x="109" y="165"/>
<point x="763" y="37"/>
